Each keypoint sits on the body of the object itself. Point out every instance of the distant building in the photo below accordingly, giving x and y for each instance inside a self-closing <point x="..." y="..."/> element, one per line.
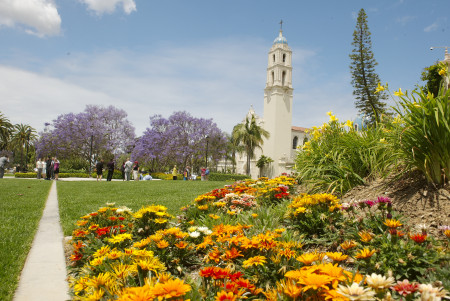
<point x="285" y="139"/>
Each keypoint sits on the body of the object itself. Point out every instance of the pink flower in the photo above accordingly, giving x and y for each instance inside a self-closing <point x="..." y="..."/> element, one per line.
<point x="405" y="288"/>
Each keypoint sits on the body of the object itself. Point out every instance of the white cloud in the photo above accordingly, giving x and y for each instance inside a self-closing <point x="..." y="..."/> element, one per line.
<point x="405" y="20"/>
<point x="109" y="6"/>
<point x="38" y="17"/>
<point x="431" y="27"/>
<point x="218" y="80"/>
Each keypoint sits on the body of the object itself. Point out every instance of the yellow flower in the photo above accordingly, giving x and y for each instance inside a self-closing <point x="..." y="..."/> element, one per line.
<point x="289" y="288"/>
<point x="443" y="71"/>
<point x="330" y="113"/>
<point x="349" y="123"/>
<point x="383" y="140"/>
<point x="314" y="281"/>
<point x="160" y="220"/>
<point x="379" y="88"/>
<point x="142" y="293"/>
<point x="392" y="223"/>
<point x="214" y="216"/>
<point x="151" y="264"/>
<point x="256" y="260"/>
<point x="365" y="253"/>
<point x="102" y="251"/>
<point x="120" y="238"/>
<point x="114" y="254"/>
<point x="399" y="92"/>
<point x="254" y="215"/>
<point x="102" y="279"/>
<point x="307" y="258"/>
<point x="336" y="256"/>
<point x="333" y="118"/>
<point x="203" y="207"/>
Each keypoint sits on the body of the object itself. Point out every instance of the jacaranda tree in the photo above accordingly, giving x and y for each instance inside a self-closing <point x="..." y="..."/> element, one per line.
<point x="180" y="139"/>
<point x="95" y="131"/>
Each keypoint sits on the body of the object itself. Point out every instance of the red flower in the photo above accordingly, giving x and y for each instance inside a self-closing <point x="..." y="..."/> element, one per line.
<point x="121" y="218"/>
<point x="112" y="218"/>
<point x="405" y="288"/>
<point x="418" y="238"/>
<point x="75" y="257"/>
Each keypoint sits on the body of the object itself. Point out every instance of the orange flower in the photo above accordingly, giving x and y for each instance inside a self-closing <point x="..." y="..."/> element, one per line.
<point x="162" y="244"/>
<point x="172" y="288"/>
<point x="233" y="253"/>
<point x="348" y="244"/>
<point x="314" y="281"/>
<point x="365" y="253"/>
<point x="447" y="233"/>
<point x="181" y="245"/>
<point x="137" y="293"/>
<point x="290" y="288"/>
<point x="365" y="236"/>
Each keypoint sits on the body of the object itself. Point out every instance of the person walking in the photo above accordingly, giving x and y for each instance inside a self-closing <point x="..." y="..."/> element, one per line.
<point x="53" y="168"/>
<point x="136" y="171"/>
<point x="174" y="173"/>
<point x="203" y="173"/>
<point x="122" y="169"/>
<point x="40" y="167"/>
<point x="56" y="168"/>
<point x="128" y="167"/>
<point x="48" y="168"/>
<point x="110" y="167"/>
<point x="99" y="167"/>
<point x="3" y="161"/>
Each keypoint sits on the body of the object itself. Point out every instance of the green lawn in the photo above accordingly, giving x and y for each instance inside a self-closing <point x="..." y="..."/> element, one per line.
<point x="21" y="206"/>
<point x="79" y="198"/>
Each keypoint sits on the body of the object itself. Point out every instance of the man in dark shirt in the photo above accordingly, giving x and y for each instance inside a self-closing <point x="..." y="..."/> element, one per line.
<point x="99" y="168"/>
<point x="110" y="166"/>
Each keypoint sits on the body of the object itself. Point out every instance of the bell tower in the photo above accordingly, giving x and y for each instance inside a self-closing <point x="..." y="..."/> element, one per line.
<point x="278" y="104"/>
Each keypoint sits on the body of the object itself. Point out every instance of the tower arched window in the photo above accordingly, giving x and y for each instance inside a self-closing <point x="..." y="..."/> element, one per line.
<point x="284" y="57"/>
<point x="273" y="58"/>
<point x="283" y="77"/>
<point x="295" y="143"/>
<point x="273" y="77"/>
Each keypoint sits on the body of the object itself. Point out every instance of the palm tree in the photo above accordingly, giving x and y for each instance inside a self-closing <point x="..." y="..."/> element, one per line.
<point x="5" y="131"/>
<point x="21" y="137"/>
<point x="250" y="136"/>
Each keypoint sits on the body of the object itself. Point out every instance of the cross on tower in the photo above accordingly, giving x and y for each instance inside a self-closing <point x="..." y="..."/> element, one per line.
<point x="281" y="25"/>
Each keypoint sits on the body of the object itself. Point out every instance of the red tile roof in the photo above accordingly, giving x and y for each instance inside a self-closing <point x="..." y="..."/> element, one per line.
<point x="299" y="129"/>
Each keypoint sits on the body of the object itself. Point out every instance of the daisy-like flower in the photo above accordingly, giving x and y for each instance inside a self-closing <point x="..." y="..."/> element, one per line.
<point x="214" y="216"/>
<point x="162" y="244"/>
<point x="225" y="296"/>
<point x="172" y="288"/>
<point x="142" y="293"/>
<point x="348" y="244"/>
<point x="379" y="281"/>
<point x="418" y="238"/>
<point x="308" y="258"/>
<point x="289" y="288"/>
<point x="392" y="223"/>
<point x="194" y="234"/>
<point x="181" y="245"/>
<point x="447" y="233"/>
<point x="314" y="281"/>
<point x="405" y="288"/>
<point x="365" y="236"/>
<point x="365" y="253"/>
<point x="356" y="292"/>
<point x="102" y="251"/>
<point x="256" y="260"/>
<point x="120" y="238"/>
<point x="337" y="256"/>
<point x="254" y="215"/>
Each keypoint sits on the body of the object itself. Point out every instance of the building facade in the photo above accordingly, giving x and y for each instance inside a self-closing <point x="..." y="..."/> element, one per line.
<point x="284" y="140"/>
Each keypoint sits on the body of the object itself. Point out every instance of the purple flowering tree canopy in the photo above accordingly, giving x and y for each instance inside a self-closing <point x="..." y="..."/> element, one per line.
<point x="180" y="139"/>
<point x="105" y="129"/>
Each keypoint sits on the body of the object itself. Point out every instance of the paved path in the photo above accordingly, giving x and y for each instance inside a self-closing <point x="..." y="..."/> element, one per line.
<point x="43" y="276"/>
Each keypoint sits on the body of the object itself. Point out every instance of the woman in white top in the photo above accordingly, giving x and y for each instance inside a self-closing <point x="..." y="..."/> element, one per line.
<point x="40" y="167"/>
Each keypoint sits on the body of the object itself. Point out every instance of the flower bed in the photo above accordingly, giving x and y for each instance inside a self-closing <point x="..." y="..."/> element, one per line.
<point x="256" y="240"/>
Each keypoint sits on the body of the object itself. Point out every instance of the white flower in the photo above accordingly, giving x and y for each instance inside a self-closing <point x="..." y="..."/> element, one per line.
<point x="110" y="204"/>
<point x="123" y="209"/>
<point x="204" y="230"/>
<point x="356" y="292"/>
<point x="194" y="234"/>
<point x="378" y="281"/>
<point x="422" y="227"/>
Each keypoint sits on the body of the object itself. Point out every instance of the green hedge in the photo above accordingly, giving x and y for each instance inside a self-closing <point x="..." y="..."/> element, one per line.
<point x="215" y="176"/>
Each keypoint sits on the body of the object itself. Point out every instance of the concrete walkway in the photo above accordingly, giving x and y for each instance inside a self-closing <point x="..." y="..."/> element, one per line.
<point x="44" y="274"/>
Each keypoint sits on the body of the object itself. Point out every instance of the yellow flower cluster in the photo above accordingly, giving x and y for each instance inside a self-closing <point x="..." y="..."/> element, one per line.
<point x="301" y="203"/>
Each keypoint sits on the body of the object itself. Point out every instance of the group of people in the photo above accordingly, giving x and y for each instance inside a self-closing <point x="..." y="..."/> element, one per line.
<point x="49" y="167"/>
<point x="109" y="166"/>
<point x="187" y="175"/>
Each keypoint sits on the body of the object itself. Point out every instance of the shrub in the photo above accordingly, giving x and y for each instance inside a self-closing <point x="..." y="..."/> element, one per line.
<point x="215" y="176"/>
<point x="424" y="133"/>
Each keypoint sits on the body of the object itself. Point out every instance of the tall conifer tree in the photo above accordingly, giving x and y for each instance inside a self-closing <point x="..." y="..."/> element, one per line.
<point x="362" y="67"/>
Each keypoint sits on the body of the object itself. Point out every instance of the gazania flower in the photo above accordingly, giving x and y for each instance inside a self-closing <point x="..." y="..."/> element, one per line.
<point x="233" y="253"/>
<point x="365" y="236"/>
<point x="348" y="244"/>
<point x="289" y="288"/>
<point x="102" y="251"/>
<point x="336" y="256"/>
<point x="181" y="245"/>
<point x="151" y="264"/>
<point x="162" y="244"/>
<point x="314" y="281"/>
<point x="418" y="238"/>
<point x="225" y="296"/>
<point x="214" y="216"/>
<point x="356" y="292"/>
<point x="254" y="215"/>
<point x="256" y="260"/>
<point x="379" y="282"/>
<point x="405" y="288"/>
<point x="392" y="223"/>
<point x="170" y="289"/>
<point x="142" y="293"/>
<point x="365" y="253"/>
<point x="447" y="233"/>
<point x="308" y="258"/>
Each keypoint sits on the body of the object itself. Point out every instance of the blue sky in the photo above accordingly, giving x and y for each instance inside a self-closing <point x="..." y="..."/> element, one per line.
<point x="206" y="57"/>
